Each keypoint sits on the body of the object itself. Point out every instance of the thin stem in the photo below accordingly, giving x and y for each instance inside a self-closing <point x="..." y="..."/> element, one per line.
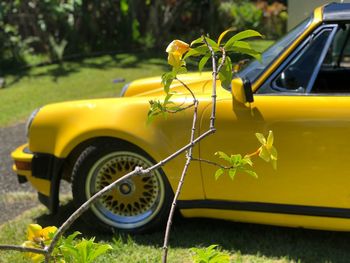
<point x="212" y="163"/>
<point x="189" y="90"/>
<point x="180" y="185"/>
<point x="215" y="73"/>
<point x="24" y="249"/>
<point x="181" y="109"/>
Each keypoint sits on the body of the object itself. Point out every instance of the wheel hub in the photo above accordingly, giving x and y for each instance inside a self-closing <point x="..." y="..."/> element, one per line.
<point x="133" y="201"/>
<point x="126" y="188"/>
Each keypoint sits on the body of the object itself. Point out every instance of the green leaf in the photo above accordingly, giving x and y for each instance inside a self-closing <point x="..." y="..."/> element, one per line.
<point x="202" y="62"/>
<point x="241" y="35"/>
<point x="179" y="70"/>
<point x="167" y="79"/>
<point x="247" y="160"/>
<point x="223" y="155"/>
<point x="167" y="98"/>
<point x="251" y="52"/>
<point x="197" y="41"/>
<point x="225" y="74"/>
<point x="223" y="34"/>
<point x="71" y="237"/>
<point x="242" y="44"/>
<point x="273" y="153"/>
<point x="232" y="173"/>
<point x="202" y="50"/>
<point x="212" y="43"/>
<point x="252" y="173"/>
<point x="235" y="159"/>
<point x="261" y="138"/>
<point x="264" y="154"/>
<point x="218" y="173"/>
<point x="124" y="6"/>
<point x="99" y="249"/>
<point x="192" y="52"/>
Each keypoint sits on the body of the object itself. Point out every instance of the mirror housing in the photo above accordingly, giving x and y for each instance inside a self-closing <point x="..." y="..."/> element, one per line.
<point x="242" y="90"/>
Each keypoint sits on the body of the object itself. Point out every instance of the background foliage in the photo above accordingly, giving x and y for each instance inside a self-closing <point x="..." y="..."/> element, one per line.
<point x="36" y="31"/>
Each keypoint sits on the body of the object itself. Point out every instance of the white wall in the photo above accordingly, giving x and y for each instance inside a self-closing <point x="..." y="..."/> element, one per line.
<point x="300" y="9"/>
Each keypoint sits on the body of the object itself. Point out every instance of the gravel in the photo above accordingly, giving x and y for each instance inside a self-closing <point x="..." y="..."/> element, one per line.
<point x="10" y="138"/>
<point x="15" y="198"/>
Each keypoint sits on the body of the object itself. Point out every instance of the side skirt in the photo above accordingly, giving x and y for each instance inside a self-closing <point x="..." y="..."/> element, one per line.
<point x="266" y="208"/>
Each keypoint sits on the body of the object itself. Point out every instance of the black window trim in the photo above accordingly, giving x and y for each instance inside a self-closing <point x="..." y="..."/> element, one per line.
<point x="271" y="79"/>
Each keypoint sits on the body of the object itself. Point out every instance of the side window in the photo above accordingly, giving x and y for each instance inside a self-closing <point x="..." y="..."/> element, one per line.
<point x="297" y="74"/>
<point x="335" y="70"/>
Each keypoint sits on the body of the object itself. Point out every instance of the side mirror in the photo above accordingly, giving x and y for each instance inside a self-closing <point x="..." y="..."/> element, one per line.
<point x="242" y="90"/>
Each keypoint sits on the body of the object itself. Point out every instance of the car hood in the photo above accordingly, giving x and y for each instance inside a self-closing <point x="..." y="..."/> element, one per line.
<point x="198" y="82"/>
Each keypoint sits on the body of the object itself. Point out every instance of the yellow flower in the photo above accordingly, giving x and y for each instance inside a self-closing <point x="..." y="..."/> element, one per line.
<point x="175" y="51"/>
<point x="36" y="258"/>
<point x="38" y="237"/>
<point x="267" y="151"/>
<point x="38" y="234"/>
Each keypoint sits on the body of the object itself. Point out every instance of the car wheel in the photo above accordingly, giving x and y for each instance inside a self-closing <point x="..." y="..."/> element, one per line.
<point x="138" y="204"/>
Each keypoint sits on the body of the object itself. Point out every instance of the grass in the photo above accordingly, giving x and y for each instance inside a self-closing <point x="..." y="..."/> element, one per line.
<point x="244" y="242"/>
<point x="89" y="78"/>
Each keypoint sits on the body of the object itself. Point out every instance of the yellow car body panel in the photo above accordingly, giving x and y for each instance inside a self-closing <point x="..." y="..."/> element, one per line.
<point x="300" y="193"/>
<point x="57" y="132"/>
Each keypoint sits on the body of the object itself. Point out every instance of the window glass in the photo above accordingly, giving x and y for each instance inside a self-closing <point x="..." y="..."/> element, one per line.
<point x="339" y="50"/>
<point x="335" y="70"/>
<point x="253" y="70"/>
<point x="298" y="73"/>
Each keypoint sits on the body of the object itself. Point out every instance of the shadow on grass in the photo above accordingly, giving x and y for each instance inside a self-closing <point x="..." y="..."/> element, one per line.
<point x="247" y="239"/>
<point x="57" y="71"/>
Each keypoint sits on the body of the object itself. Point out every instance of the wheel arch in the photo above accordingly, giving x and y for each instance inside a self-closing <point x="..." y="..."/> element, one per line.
<point x="66" y="170"/>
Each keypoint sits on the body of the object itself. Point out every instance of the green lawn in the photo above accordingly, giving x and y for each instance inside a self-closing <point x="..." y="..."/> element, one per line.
<point x="244" y="242"/>
<point x="89" y="78"/>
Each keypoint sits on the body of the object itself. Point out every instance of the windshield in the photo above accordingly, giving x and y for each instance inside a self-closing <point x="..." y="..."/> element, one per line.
<point x="256" y="68"/>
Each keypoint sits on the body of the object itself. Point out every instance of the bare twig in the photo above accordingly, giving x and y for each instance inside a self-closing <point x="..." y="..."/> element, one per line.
<point x="24" y="249"/>
<point x="189" y="154"/>
<point x="216" y="71"/>
<point x="181" y="182"/>
<point x="189" y="90"/>
<point x="212" y="163"/>
<point x="181" y="109"/>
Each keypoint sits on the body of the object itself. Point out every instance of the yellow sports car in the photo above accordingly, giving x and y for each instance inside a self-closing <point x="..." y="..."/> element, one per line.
<point x="300" y="90"/>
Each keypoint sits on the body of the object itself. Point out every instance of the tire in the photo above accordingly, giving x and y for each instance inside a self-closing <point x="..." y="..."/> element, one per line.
<point x="137" y="205"/>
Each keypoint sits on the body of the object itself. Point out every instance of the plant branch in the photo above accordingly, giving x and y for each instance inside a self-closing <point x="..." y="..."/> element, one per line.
<point x="180" y="185"/>
<point x="137" y="171"/>
<point x="189" y="90"/>
<point x="212" y="163"/>
<point x="215" y="73"/>
<point x="24" y="249"/>
<point x="181" y="109"/>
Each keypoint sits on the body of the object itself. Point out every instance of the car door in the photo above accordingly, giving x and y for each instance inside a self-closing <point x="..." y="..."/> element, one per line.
<point x="311" y="135"/>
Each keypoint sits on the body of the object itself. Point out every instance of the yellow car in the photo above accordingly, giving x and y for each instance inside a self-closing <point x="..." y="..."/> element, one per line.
<point x="300" y="91"/>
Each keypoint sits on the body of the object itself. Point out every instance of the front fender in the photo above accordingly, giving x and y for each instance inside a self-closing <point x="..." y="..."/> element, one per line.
<point x="59" y="128"/>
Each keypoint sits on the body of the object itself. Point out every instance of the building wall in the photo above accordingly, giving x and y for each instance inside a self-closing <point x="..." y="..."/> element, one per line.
<point x="300" y="9"/>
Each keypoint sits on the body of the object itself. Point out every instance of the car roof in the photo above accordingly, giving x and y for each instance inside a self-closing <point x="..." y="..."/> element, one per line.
<point x="336" y="12"/>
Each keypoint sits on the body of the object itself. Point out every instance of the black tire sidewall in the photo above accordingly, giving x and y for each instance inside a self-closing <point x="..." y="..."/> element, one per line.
<point x="82" y="167"/>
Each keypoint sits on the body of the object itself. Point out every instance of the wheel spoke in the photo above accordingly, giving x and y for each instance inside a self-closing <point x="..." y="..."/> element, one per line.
<point x="132" y="202"/>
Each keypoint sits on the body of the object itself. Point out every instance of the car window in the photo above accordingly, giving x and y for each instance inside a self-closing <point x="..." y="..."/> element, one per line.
<point x="296" y="76"/>
<point x="335" y="69"/>
<point x="254" y="69"/>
